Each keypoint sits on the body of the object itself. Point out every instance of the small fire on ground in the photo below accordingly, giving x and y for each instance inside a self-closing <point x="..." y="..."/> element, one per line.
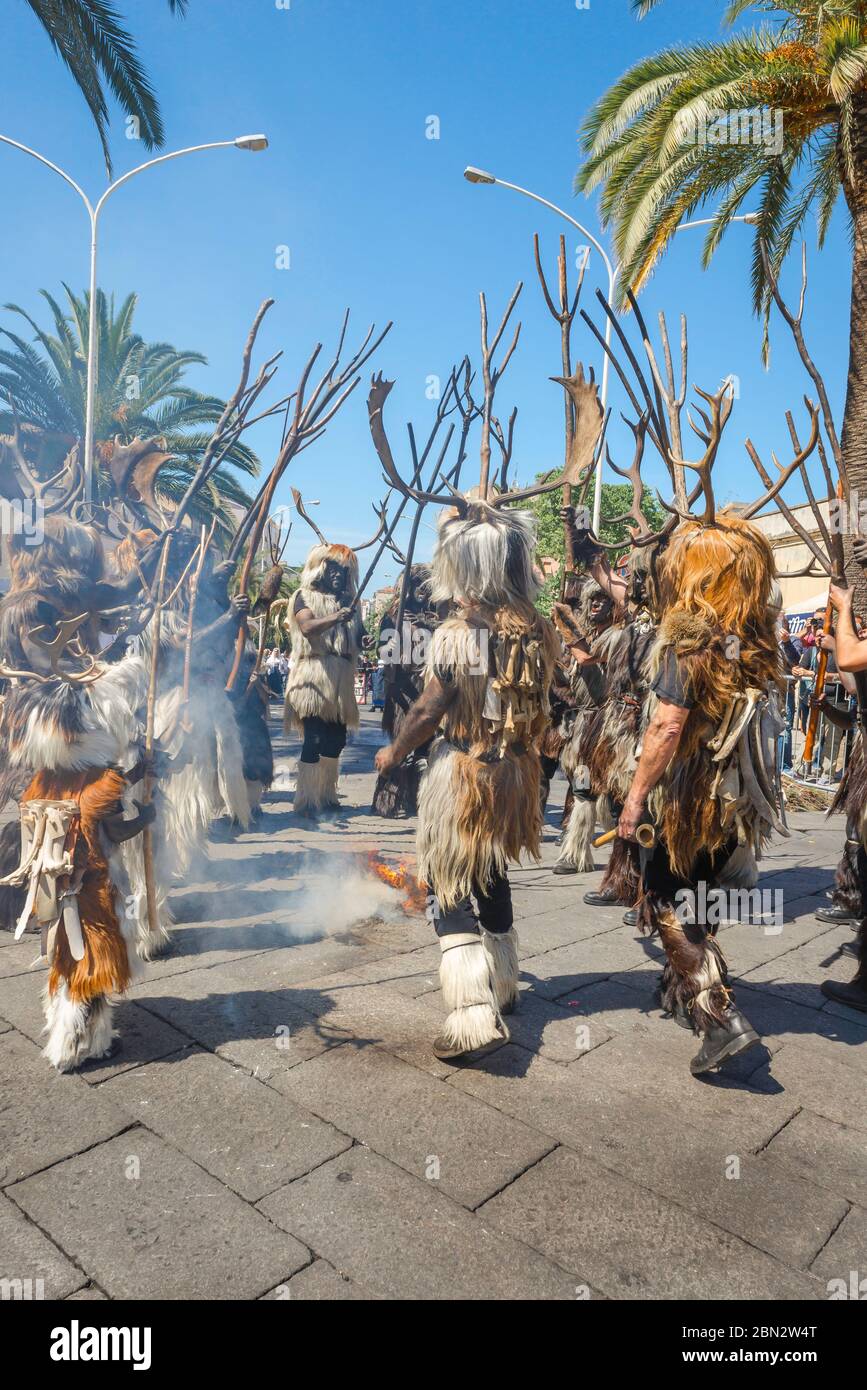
<point x="399" y="877"/>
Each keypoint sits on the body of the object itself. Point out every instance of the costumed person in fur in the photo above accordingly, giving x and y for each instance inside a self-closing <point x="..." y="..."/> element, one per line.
<point x="486" y="699"/>
<point x="585" y="628"/>
<point x="707" y="779"/>
<point x="250" y="701"/>
<point x="613" y="754"/>
<point x="326" y="634"/>
<point x="203" y="785"/>
<point x="72" y="828"/>
<point x="851" y="656"/>
<point x="405" y="656"/>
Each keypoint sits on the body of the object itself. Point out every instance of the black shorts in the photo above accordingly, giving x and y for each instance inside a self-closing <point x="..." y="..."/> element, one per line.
<point x="322" y="740"/>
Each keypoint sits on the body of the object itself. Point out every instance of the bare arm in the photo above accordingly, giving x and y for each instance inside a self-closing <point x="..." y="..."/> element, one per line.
<point x="309" y="625"/>
<point x="851" y="651"/>
<point x="660" y="743"/>
<point x="614" y="586"/>
<point x="421" y="723"/>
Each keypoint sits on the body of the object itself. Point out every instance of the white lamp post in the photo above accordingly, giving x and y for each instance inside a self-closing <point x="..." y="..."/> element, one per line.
<point x="473" y="175"/>
<point x="242" y="142"/>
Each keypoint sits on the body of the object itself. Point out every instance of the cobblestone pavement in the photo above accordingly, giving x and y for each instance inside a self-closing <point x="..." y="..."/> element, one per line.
<point x="275" y="1125"/>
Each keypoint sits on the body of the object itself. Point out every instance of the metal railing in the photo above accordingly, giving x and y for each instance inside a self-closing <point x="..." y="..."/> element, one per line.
<point x="832" y="745"/>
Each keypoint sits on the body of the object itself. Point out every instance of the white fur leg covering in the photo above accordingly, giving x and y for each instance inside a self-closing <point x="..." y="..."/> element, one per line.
<point x="604" y="817"/>
<point x="308" y="785"/>
<point x="254" y="794"/>
<point x="740" y="869"/>
<point x="328" y="786"/>
<point x="465" y="978"/>
<point x="577" y="848"/>
<point x="501" y="949"/>
<point x="76" y="1031"/>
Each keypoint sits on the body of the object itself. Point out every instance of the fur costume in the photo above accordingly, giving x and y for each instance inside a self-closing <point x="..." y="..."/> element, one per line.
<point x="320" y="688"/>
<point x="479" y="805"/>
<point x="77" y="886"/>
<point x="580" y="729"/>
<point x="321" y="683"/>
<point x="721" y="789"/>
<point x="397" y="792"/>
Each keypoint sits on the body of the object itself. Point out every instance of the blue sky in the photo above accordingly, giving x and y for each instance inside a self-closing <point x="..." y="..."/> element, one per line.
<point x="377" y="216"/>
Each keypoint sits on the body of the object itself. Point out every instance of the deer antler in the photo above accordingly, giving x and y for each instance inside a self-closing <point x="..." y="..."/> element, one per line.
<point x="584" y="396"/>
<point x="380" y="389"/>
<point x="305" y="515"/>
<point x="54" y="649"/>
<point x="720" y="409"/>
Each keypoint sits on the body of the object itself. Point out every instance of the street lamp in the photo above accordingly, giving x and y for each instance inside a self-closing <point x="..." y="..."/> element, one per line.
<point x="473" y="175"/>
<point x="241" y="142"/>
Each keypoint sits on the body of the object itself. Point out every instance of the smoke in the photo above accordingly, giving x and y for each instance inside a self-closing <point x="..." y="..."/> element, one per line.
<point x="323" y="894"/>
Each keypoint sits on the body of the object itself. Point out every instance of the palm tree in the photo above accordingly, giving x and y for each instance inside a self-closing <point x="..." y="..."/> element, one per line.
<point x="806" y="64"/>
<point x="139" y="393"/>
<point x="92" y="42"/>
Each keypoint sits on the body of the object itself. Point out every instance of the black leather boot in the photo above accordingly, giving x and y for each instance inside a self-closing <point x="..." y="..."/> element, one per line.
<point x="723" y="1041"/>
<point x="837" y="915"/>
<point x="854" y="995"/>
<point x="630" y="918"/>
<point x="603" y="900"/>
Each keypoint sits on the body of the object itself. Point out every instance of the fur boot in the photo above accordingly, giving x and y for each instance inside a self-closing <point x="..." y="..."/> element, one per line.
<point x="847" y="885"/>
<point x="501" y="950"/>
<point x="308" y="788"/>
<point x="76" y="1031"/>
<point x="698" y="979"/>
<point x="622" y="877"/>
<point x="465" y="977"/>
<point x="330" y="772"/>
<point x="577" y="847"/>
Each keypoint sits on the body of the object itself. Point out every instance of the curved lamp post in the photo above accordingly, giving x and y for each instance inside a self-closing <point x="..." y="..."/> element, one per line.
<point x="242" y="142"/>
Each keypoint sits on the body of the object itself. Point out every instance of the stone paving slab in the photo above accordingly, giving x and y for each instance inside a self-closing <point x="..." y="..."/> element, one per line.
<point x="698" y="1168"/>
<point x="630" y="1243"/>
<point x="259" y="1044"/>
<point x="236" y="1128"/>
<point x="45" y="1116"/>
<point x="415" y="1121"/>
<point x="320" y="1283"/>
<point x="403" y="1238"/>
<point x="658" y="1071"/>
<point x="569" y="969"/>
<point x="823" y="1085"/>
<point x="250" y="1012"/>
<point x="843" y="1258"/>
<point x="828" y="1154"/>
<point x="172" y="1232"/>
<point x="143" y="1037"/>
<point x="28" y="1255"/>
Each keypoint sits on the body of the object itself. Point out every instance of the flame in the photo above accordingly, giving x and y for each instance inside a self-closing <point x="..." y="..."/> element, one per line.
<point x="399" y="877"/>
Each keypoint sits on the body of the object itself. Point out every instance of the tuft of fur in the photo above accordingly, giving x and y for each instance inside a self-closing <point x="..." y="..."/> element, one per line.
<point x="622" y="877"/>
<point x="740" y="870"/>
<point x="308" y="787"/>
<point x="577" y="847"/>
<point x="329" y="776"/>
<point x="501" y="950"/>
<point x="77" y="1030"/>
<point x="697" y="979"/>
<point x="468" y="995"/>
<point x="485" y="558"/>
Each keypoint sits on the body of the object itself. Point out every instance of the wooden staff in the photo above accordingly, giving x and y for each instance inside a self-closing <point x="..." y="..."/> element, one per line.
<point x="188" y="635"/>
<point x="147" y="834"/>
<point x="821" y="671"/>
